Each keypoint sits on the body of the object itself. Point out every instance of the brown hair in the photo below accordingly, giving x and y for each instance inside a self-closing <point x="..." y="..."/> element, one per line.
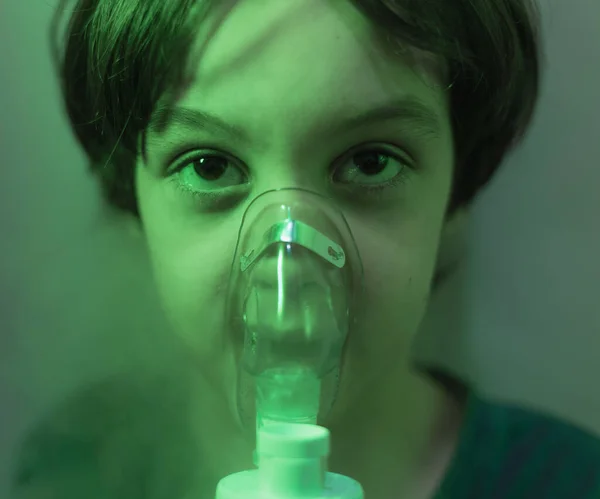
<point x="121" y="56"/>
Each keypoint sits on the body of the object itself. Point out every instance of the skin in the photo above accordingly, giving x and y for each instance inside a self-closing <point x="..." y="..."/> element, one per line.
<point x="279" y="71"/>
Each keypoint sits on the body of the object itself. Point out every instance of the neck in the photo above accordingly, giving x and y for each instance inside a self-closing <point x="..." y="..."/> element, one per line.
<point x="401" y="441"/>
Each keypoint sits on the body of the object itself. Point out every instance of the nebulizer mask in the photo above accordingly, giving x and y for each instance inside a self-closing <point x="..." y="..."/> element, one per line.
<point x="296" y="281"/>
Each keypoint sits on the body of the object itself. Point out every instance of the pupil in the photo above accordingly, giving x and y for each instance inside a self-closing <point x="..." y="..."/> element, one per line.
<point x="210" y="167"/>
<point x="372" y="162"/>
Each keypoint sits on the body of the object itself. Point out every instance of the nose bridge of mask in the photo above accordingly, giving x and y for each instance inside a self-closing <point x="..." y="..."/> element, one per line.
<point x="298" y="233"/>
<point x="293" y="279"/>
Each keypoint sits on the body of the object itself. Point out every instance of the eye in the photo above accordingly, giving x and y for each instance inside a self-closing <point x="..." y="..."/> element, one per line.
<point x="369" y="171"/>
<point x="372" y="169"/>
<point x="206" y="171"/>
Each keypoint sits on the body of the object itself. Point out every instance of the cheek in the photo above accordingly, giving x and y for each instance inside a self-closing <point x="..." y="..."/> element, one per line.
<point x="194" y="297"/>
<point x="192" y="276"/>
<point x="396" y="292"/>
<point x="397" y="284"/>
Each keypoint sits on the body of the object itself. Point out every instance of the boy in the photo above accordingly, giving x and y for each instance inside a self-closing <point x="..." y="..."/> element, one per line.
<point x="397" y="112"/>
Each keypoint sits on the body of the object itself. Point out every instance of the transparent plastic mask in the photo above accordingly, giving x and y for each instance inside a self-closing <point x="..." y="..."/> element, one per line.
<point x="296" y="281"/>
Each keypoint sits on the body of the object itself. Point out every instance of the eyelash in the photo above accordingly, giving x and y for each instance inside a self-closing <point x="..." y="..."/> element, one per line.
<point x="375" y="190"/>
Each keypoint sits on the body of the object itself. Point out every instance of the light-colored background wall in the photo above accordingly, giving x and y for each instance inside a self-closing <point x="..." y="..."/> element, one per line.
<point x="521" y="321"/>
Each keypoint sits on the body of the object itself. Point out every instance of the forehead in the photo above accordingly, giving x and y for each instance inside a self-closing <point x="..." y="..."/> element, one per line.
<point x="322" y="50"/>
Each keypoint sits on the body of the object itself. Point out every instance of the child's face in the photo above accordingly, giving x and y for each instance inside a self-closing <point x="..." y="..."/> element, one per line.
<point x="285" y="73"/>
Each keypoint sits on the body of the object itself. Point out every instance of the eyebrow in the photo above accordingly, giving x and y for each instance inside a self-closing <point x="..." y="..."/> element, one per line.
<point x="415" y="113"/>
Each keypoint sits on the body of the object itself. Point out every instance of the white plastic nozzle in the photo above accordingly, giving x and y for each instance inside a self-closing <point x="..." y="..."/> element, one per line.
<point x="293" y="461"/>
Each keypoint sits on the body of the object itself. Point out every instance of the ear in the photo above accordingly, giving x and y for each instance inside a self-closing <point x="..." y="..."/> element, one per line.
<point x="452" y="244"/>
